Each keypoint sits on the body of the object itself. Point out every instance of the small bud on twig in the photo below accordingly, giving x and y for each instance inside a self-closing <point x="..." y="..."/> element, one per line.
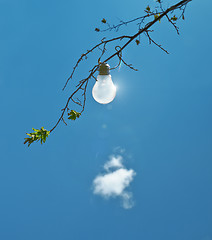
<point x="137" y="41"/>
<point x="104" y="20"/>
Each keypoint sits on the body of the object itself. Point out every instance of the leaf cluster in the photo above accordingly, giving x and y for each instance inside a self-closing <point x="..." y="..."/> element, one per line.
<point x="37" y="135"/>
<point x="73" y="115"/>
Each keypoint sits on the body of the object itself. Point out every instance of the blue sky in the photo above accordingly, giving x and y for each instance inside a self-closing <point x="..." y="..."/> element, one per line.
<point x="159" y="125"/>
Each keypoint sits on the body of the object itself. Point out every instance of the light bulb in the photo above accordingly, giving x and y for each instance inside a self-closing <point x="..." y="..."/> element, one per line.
<point x="104" y="91"/>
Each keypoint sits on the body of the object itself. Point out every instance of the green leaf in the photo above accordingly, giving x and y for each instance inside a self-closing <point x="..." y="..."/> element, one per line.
<point x="73" y="115"/>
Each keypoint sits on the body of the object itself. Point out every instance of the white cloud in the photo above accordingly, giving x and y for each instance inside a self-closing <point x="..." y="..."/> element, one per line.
<point x="114" y="162"/>
<point x="115" y="181"/>
<point x="127" y="200"/>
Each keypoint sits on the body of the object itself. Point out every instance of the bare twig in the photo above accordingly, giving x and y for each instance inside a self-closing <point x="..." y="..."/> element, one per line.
<point x="158" y="45"/>
<point x="64" y="121"/>
<point x="84" y="55"/>
<point x="173" y="24"/>
<point x="123" y="23"/>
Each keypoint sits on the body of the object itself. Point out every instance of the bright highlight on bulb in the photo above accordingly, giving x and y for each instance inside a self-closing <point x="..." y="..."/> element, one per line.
<point x="104" y="91"/>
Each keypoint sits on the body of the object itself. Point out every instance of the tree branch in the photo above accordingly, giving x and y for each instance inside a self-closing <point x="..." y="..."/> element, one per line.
<point x="158" y="16"/>
<point x="125" y="40"/>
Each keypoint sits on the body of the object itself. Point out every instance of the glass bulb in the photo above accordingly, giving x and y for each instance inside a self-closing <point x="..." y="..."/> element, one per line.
<point x="104" y="91"/>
